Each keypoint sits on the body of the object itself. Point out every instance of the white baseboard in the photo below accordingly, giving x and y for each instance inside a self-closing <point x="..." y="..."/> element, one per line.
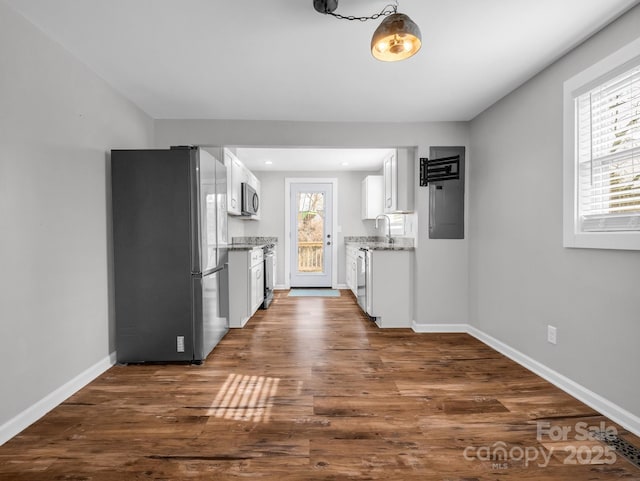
<point x="444" y="328"/>
<point x="609" y="409"/>
<point x="341" y="286"/>
<point x="33" y="413"/>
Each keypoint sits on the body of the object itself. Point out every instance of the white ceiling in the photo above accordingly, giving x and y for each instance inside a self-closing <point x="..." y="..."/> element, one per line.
<point x="294" y="159"/>
<point x="281" y="60"/>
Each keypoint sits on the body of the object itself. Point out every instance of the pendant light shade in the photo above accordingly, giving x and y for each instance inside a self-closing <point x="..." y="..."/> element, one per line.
<point x="396" y="38"/>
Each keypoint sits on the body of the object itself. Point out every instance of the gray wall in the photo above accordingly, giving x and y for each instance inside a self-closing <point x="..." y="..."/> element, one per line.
<point x="272" y="219"/>
<point x="521" y="278"/>
<point x="57" y="123"/>
<point x="440" y="286"/>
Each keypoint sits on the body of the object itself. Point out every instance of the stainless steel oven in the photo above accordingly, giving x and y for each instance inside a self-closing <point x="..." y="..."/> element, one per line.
<point x="269" y="273"/>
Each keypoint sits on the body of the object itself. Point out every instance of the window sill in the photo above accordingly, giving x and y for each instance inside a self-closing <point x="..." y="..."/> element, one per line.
<point x="603" y="240"/>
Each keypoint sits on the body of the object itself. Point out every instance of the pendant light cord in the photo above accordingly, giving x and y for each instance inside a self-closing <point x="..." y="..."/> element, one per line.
<point x="386" y="11"/>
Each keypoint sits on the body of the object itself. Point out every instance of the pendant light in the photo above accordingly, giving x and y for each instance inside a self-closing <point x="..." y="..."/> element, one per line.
<point x="396" y="38"/>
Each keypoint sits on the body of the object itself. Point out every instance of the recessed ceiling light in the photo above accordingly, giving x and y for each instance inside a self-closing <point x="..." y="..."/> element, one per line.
<point x="268" y="162"/>
<point x="344" y="164"/>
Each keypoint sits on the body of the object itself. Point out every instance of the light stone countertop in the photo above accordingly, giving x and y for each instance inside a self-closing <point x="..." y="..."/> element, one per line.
<point x="249" y="243"/>
<point x="381" y="246"/>
<point x="245" y="247"/>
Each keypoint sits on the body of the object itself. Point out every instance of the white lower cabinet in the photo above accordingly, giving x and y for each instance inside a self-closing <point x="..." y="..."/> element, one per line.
<point x="351" y="268"/>
<point x="391" y="295"/>
<point x="246" y="285"/>
<point x="257" y="286"/>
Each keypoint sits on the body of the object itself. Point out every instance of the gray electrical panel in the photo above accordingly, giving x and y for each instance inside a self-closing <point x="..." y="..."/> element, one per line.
<point x="446" y="198"/>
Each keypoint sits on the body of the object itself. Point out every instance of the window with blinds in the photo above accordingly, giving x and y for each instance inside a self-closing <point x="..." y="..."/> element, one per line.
<point x="608" y="155"/>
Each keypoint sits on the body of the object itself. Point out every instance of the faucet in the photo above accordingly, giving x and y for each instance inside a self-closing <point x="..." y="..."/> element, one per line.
<point x="389" y="238"/>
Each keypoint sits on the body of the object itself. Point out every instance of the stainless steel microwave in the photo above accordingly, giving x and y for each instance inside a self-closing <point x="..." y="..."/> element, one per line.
<point x="250" y="200"/>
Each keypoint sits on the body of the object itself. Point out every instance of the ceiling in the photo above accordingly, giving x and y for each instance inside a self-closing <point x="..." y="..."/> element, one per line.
<point x="281" y="60"/>
<point x="294" y="159"/>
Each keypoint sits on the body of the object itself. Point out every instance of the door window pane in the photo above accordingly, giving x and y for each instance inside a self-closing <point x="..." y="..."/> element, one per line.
<point x="311" y="215"/>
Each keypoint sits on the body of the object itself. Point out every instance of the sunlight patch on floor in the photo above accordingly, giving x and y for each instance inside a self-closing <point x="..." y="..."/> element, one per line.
<point x="245" y="398"/>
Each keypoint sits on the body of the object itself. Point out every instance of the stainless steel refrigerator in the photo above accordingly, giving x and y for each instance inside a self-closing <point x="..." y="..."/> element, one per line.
<point x="170" y="253"/>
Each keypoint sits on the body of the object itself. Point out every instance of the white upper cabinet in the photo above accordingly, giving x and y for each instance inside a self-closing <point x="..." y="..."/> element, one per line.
<point x="237" y="173"/>
<point x="390" y="182"/>
<point x="372" y="196"/>
<point x="234" y="173"/>
<point x="398" y="170"/>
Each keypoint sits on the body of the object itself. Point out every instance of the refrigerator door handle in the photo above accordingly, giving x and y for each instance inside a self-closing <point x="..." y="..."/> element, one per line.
<point x="196" y="233"/>
<point x="211" y="271"/>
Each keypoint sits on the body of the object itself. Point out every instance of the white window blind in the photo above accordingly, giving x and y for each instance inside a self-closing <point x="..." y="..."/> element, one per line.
<point x="608" y="151"/>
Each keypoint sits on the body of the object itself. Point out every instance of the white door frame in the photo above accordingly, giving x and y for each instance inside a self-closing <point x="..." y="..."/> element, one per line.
<point x="287" y="226"/>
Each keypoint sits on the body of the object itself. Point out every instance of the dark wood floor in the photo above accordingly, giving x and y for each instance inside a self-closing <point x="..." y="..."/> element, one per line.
<point x="312" y="390"/>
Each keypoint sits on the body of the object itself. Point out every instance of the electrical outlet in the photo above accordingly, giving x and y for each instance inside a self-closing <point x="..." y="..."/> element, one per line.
<point x="552" y="335"/>
<point x="180" y="344"/>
